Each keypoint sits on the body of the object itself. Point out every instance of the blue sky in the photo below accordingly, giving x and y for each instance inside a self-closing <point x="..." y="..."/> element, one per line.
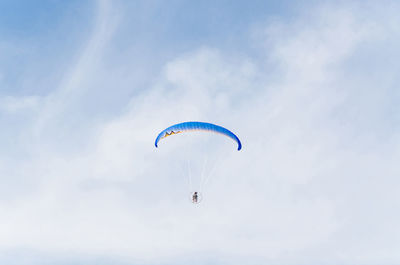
<point x="311" y="88"/>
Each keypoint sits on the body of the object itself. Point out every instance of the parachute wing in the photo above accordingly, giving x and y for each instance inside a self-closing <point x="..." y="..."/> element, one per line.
<point x="197" y="126"/>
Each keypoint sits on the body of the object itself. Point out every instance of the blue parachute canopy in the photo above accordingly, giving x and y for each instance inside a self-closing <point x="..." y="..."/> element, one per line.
<point x="197" y="126"/>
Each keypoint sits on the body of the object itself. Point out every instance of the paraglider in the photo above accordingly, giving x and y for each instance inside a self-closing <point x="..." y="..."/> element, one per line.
<point x="197" y="126"/>
<point x="195" y="197"/>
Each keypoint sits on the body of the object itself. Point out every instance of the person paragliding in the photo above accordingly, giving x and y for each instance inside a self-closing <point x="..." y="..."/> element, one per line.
<point x="197" y="126"/>
<point x="195" y="197"/>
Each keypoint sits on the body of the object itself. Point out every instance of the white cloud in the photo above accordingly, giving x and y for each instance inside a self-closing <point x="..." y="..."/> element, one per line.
<point x="11" y="104"/>
<point x="308" y="186"/>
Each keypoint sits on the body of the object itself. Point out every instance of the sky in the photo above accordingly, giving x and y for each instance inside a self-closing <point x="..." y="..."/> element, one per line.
<point x="310" y="87"/>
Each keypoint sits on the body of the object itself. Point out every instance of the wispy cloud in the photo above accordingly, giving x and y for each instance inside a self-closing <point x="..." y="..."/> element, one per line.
<point x="11" y="104"/>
